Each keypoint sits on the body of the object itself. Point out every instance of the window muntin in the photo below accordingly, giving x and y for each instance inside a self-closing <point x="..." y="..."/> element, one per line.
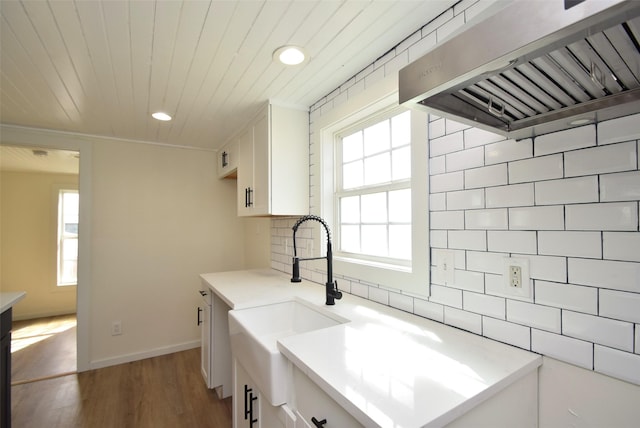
<point x="68" y="205"/>
<point x="373" y="195"/>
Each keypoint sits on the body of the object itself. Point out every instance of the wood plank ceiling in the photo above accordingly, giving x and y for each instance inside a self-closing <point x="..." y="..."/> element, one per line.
<point x="102" y="67"/>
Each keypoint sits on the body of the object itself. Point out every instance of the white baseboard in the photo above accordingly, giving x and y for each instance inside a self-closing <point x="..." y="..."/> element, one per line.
<point x="122" y="359"/>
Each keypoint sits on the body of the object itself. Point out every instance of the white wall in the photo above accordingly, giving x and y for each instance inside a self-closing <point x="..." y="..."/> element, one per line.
<point x="28" y="249"/>
<point x="568" y="202"/>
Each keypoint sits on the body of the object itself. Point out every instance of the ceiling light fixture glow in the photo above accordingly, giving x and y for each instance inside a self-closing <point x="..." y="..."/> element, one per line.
<point x="578" y="122"/>
<point x="161" y="116"/>
<point x="289" y="55"/>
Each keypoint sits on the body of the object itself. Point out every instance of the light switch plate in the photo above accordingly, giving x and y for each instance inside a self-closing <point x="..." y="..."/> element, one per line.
<point x="447" y="266"/>
<point x="516" y="280"/>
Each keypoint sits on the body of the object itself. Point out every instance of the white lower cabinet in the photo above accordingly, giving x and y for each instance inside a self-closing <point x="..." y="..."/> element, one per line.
<point x="250" y="410"/>
<point x="314" y="407"/>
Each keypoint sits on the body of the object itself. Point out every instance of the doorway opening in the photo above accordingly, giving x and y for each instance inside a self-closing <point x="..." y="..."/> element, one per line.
<point x="39" y="235"/>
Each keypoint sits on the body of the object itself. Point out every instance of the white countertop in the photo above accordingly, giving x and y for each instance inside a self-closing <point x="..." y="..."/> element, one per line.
<point x="10" y="298"/>
<point x="386" y="367"/>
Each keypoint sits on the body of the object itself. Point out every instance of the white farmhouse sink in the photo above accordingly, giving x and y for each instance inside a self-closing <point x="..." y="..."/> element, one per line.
<point x="254" y="334"/>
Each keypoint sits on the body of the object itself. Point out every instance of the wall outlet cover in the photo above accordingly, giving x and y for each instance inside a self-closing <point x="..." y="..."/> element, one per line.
<point x="516" y="280"/>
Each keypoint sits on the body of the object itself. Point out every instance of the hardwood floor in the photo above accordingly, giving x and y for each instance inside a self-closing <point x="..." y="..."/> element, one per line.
<point x="166" y="391"/>
<point x="43" y="347"/>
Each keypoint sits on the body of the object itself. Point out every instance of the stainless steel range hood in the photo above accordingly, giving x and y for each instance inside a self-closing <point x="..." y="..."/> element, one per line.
<point x="534" y="67"/>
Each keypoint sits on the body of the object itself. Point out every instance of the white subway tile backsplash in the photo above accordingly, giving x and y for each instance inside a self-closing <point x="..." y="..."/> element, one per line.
<point x="547" y="267"/>
<point x="485" y="262"/>
<point x="422" y="46"/>
<point x="599" y="160"/>
<point x="562" y="141"/>
<point x="494" y="285"/>
<point x="489" y="176"/>
<point x="401" y="301"/>
<point x="446" y="182"/>
<point x="379" y="295"/>
<point x="437" y="165"/>
<point x="620" y="129"/>
<point x="567" y="296"/>
<point x="604" y="331"/>
<point x="537" y="218"/>
<point x="446" y="144"/>
<point x="438" y="201"/>
<point x="446" y="295"/>
<point x="569" y="243"/>
<point x="511" y="241"/>
<point x="463" y="319"/>
<point x="623" y="186"/>
<point x="438" y="238"/>
<point x="468" y="280"/>
<point x="542" y="168"/>
<point x="447" y="220"/>
<point x="449" y="27"/>
<point x="508" y="150"/>
<point x="620" y="305"/>
<point x="360" y="290"/>
<point x="486" y="219"/>
<point x="484" y="304"/>
<point x="610" y="216"/>
<point x="453" y="126"/>
<point x="475" y="137"/>
<point x="436" y="128"/>
<point x="428" y="309"/>
<point x="507" y="332"/>
<point x="468" y="239"/>
<point x="465" y="199"/>
<point x="622" y="365"/>
<point x="621" y="246"/>
<point x="537" y="316"/>
<point x="470" y="158"/>
<point x="623" y="276"/>
<point x="574" y="351"/>
<point x="567" y="191"/>
<point x="509" y="196"/>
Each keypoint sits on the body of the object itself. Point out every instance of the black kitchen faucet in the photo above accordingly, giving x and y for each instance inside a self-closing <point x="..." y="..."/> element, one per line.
<point x="332" y="291"/>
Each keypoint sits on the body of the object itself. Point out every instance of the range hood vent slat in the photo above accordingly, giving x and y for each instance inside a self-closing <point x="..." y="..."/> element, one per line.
<point x="583" y="61"/>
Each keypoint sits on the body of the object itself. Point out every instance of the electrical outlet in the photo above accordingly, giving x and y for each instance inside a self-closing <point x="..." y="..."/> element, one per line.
<point x="517" y="283"/>
<point x="116" y="328"/>
<point x="515" y="276"/>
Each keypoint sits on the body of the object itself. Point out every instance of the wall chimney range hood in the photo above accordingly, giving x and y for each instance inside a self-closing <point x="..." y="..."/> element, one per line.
<point x="534" y="67"/>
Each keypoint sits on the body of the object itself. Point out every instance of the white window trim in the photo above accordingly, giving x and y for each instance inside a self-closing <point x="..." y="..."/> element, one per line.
<point x="375" y="99"/>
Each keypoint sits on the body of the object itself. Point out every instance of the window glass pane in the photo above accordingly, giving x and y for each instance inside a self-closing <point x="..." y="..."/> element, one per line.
<point x="401" y="129"/>
<point x="352" y="175"/>
<point x="374" y="240"/>
<point x="400" y="206"/>
<point x="350" y="209"/>
<point x="377" y="169"/>
<point x="401" y="159"/>
<point x="70" y="249"/>
<point x="376" y="138"/>
<point x="400" y="241"/>
<point x="374" y="208"/>
<point x="352" y="147"/>
<point x="350" y="238"/>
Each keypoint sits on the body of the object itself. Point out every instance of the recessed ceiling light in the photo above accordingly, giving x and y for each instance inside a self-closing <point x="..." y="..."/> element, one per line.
<point x="289" y="55"/>
<point x="578" y="122"/>
<point x="161" y="116"/>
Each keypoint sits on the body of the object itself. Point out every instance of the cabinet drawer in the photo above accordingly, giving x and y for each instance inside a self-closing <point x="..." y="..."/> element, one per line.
<point x="313" y="402"/>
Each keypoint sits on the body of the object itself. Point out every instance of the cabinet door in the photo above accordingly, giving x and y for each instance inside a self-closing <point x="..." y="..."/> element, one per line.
<point x="246" y="400"/>
<point x="245" y="172"/>
<point x="261" y="165"/>
<point x="204" y="318"/>
<point x="228" y="160"/>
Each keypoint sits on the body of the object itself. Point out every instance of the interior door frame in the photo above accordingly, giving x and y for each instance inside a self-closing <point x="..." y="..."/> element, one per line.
<point x="48" y="139"/>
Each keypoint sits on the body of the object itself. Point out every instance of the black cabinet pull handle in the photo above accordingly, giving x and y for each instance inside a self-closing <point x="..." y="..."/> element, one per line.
<point x="199" y="320"/>
<point x="225" y="157"/>
<point x="247" y="411"/>
<point x="203" y="293"/>
<point x="317" y="423"/>
<point x="251" y="419"/>
<point x="250" y="203"/>
<point x="246" y="197"/>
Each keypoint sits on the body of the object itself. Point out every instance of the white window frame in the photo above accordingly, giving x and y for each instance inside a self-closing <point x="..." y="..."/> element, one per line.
<point x="376" y="99"/>
<point x="386" y="187"/>
<point x="61" y="237"/>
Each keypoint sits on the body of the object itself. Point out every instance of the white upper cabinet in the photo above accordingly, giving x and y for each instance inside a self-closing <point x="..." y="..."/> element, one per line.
<point x="273" y="163"/>
<point x="228" y="160"/>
